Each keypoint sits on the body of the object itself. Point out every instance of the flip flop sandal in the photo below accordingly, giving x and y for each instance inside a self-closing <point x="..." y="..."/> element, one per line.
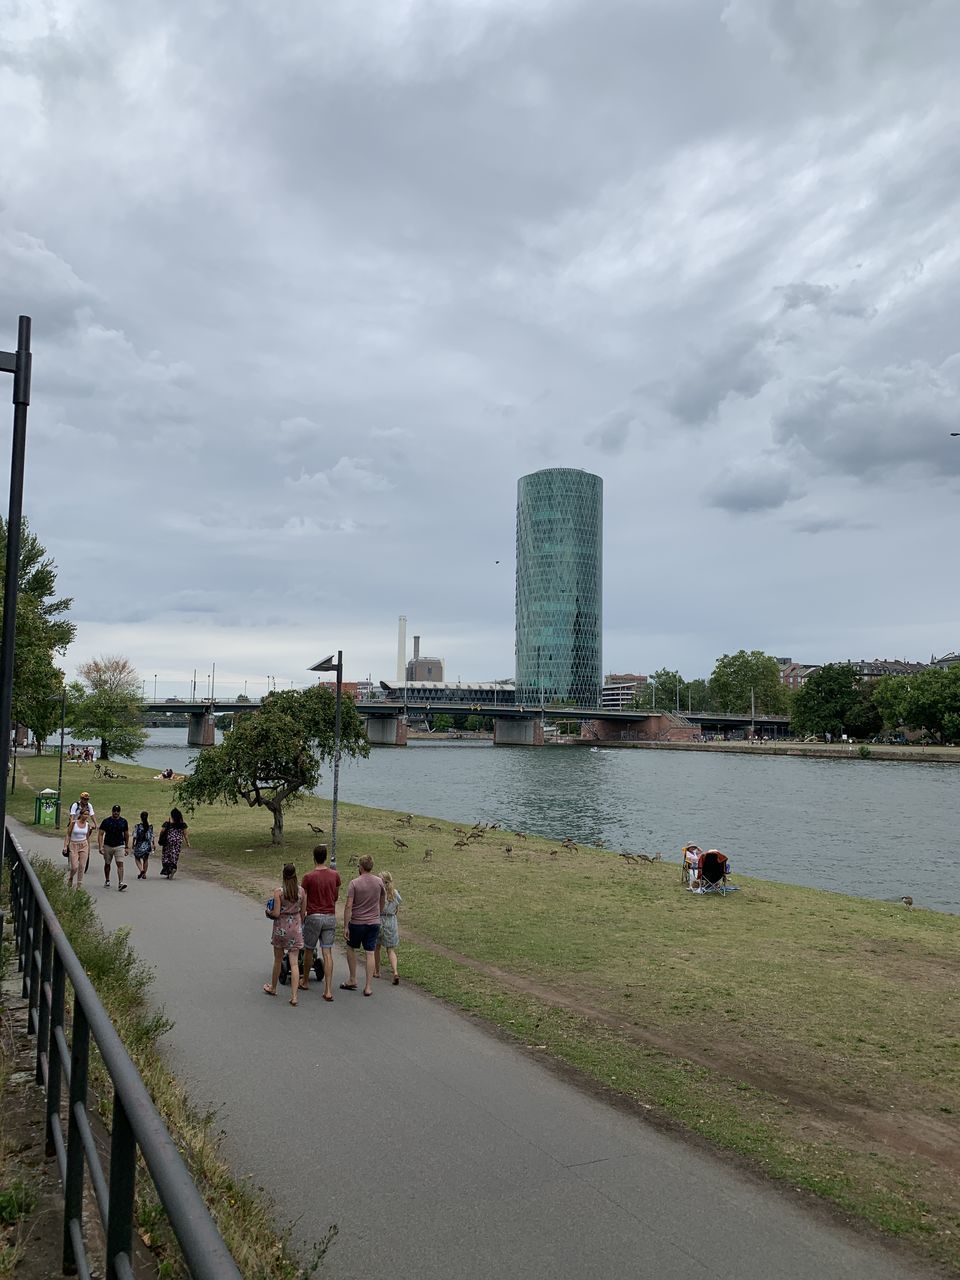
<point x="368" y="993"/>
<point x="328" y="998"/>
<point x="268" y="992"/>
<point x="348" y="986"/>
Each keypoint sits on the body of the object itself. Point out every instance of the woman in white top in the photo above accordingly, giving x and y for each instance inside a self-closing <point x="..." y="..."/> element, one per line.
<point x="78" y="845"/>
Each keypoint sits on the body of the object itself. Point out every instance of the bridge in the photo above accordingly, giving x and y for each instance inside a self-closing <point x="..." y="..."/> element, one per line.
<point x="513" y="725"/>
<point x="520" y="725"/>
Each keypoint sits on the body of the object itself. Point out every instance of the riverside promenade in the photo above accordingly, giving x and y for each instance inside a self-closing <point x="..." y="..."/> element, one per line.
<point x="436" y="1148"/>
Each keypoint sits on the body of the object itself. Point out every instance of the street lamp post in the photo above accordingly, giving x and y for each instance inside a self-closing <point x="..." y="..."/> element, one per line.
<point x="328" y="664"/>
<point x="63" y="726"/>
<point x="19" y="364"/>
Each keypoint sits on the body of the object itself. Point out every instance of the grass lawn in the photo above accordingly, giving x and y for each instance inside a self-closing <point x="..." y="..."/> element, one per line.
<point x="815" y="1035"/>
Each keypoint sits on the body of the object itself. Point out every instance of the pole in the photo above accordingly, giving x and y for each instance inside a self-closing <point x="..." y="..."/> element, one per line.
<point x="63" y="725"/>
<point x="678" y="693"/>
<point x="213" y="682"/>
<point x="193" y="691"/>
<point x="752" y="712"/>
<point x="154" y="686"/>
<point x="336" y="760"/>
<point x="21" y="368"/>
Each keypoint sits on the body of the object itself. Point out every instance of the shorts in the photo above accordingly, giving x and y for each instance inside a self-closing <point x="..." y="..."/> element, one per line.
<point x="319" y="928"/>
<point x="113" y="851"/>
<point x="364" y="935"/>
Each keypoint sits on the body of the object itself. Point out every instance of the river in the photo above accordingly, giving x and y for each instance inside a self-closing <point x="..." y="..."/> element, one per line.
<point x="875" y="828"/>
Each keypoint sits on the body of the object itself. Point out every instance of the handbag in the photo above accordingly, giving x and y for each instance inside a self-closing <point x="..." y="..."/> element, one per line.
<point x="162" y="838"/>
<point x="271" y="903"/>
<point x="65" y="851"/>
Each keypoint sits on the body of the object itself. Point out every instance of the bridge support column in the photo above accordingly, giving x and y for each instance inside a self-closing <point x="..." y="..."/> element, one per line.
<point x="385" y="731"/>
<point x="510" y="732"/>
<point x="201" y="731"/>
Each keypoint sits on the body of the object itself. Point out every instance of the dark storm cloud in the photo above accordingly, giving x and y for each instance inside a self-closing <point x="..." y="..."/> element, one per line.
<point x="312" y="286"/>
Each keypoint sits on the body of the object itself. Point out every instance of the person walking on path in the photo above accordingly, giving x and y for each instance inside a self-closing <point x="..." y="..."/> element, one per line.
<point x="389" y="929"/>
<point x="322" y="889"/>
<point x="289" y="909"/>
<point x="143" y="844"/>
<point x="361" y="922"/>
<point x="77" y="847"/>
<point x="82" y="803"/>
<point x="113" y="840"/>
<point x="173" y="838"/>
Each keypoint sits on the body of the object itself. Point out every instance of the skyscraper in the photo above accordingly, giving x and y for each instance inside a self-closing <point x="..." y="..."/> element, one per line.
<point x="559" y="587"/>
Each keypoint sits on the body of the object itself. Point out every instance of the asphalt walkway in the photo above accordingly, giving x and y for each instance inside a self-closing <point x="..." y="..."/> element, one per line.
<point x="436" y="1148"/>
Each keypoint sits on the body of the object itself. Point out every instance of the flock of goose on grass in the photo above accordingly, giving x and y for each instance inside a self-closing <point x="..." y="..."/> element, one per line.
<point x="475" y="835"/>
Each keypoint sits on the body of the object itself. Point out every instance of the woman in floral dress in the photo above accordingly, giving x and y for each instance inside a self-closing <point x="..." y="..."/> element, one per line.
<point x="173" y="838"/>
<point x="289" y="910"/>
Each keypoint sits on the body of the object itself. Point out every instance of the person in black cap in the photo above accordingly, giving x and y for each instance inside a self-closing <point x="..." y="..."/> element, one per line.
<point x="114" y="841"/>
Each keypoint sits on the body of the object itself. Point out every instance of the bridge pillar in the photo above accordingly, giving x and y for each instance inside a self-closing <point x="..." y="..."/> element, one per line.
<point x="201" y="731"/>
<point x="385" y="731"/>
<point x="510" y="732"/>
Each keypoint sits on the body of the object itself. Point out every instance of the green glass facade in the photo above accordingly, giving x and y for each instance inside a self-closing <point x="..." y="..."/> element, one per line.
<point x="559" y="587"/>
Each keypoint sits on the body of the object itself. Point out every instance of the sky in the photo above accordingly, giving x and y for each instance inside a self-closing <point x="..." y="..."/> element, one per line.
<point x="313" y="285"/>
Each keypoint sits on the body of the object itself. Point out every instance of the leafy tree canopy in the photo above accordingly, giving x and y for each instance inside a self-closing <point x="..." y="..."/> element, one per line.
<point x="735" y="674"/>
<point x="833" y="700"/>
<point x="43" y="633"/>
<point x="273" y="755"/>
<point x="929" y="700"/>
<point x="108" y="706"/>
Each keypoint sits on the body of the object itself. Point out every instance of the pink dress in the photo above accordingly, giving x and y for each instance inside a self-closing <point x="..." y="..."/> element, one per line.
<point x="288" y="929"/>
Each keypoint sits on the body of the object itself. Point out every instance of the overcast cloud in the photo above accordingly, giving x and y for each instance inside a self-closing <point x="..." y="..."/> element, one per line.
<point x="313" y="285"/>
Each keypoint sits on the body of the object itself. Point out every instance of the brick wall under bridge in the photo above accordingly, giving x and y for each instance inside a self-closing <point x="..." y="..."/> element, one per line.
<point x="659" y="728"/>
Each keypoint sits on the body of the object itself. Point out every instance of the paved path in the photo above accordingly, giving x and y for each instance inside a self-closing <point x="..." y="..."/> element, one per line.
<point x="438" y="1150"/>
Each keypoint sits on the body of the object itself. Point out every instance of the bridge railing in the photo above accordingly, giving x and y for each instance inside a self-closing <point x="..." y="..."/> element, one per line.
<point x="49" y="966"/>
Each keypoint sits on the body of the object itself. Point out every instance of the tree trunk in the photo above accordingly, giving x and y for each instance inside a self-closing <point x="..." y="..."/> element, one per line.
<point x="104" y="752"/>
<point x="277" y="833"/>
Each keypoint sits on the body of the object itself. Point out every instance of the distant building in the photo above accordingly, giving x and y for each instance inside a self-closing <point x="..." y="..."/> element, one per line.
<point x="948" y="660"/>
<point x="619" y="691"/>
<point x="418" y="668"/>
<point x="887" y="667"/>
<point x="559" y="587"/>
<point x="795" y="674"/>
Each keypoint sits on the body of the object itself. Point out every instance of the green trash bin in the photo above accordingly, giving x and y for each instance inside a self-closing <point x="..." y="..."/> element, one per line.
<point x="45" y="807"/>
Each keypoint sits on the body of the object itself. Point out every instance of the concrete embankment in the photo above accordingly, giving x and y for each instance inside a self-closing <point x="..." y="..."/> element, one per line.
<point x="819" y="750"/>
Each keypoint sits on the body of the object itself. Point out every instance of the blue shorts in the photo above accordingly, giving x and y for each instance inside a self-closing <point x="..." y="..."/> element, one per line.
<point x="363" y="935"/>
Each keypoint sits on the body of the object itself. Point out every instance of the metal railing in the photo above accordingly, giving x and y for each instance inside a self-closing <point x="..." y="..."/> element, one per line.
<point x="48" y="964"/>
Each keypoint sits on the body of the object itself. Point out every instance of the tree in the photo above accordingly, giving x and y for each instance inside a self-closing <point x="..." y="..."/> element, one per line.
<point x="42" y="633"/>
<point x="108" y="706"/>
<point x="698" y="696"/>
<point x="735" y="675"/>
<point x="835" y="699"/>
<point x="929" y="700"/>
<point x="273" y="755"/>
<point x="441" y="722"/>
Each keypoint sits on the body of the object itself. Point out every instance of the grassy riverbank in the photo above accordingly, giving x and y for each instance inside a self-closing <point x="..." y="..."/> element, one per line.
<point x="814" y="1035"/>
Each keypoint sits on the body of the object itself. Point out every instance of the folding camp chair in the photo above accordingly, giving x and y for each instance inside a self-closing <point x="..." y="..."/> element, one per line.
<point x="713" y="872"/>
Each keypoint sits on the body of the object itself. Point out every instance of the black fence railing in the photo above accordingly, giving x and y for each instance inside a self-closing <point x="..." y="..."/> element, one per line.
<point x="49" y="964"/>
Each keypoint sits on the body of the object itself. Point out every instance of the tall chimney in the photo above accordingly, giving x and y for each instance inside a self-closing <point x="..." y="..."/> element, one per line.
<point x="416" y="648"/>
<point x="402" y="648"/>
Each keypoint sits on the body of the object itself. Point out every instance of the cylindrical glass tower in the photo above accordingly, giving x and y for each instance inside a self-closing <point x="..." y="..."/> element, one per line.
<point x="559" y="587"/>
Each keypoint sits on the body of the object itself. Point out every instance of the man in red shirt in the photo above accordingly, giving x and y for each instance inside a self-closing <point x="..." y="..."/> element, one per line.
<point x="322" y="887"/>
<point x="361" y="922"/>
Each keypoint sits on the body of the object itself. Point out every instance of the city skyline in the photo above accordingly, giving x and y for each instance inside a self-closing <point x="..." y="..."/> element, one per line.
<point x="286" y="371"/>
